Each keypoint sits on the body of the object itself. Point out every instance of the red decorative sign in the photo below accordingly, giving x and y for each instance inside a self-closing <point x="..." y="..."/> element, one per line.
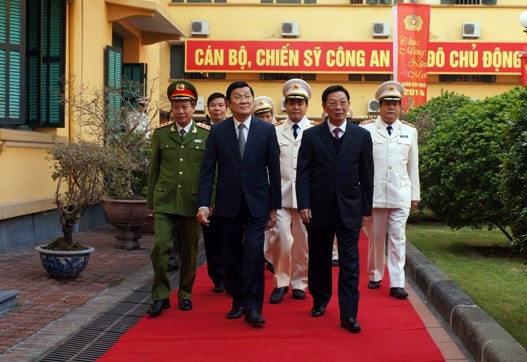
<point x="411" y="52"/>
<point x="298" y="56"/>
<point x="523" y="58"/>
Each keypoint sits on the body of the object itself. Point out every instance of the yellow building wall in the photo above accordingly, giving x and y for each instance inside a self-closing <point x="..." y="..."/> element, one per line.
<point x="26" y="186"/>
<point x="330" y="20"/>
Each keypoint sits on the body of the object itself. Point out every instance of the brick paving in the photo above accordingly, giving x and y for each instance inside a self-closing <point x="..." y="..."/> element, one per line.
<point x="43" y="300"/>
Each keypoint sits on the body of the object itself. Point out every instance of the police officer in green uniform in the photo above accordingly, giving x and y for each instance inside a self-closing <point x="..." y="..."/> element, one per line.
<point x="177" y="152"/>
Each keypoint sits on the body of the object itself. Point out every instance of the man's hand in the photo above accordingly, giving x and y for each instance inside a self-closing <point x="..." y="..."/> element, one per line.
<point x="272" y="219"/>
<point x="414" y="205"/>
<point x="305" y="215"/>
<point x="203" y="215"/>
<point x="364" y="220"/>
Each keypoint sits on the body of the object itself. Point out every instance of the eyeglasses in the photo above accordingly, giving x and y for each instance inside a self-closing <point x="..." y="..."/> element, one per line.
<point x="238" y="98"/>
<point x="341" y="104"/>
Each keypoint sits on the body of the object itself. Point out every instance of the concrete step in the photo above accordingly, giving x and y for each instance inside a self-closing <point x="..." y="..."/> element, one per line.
<point x="7" y="299"/>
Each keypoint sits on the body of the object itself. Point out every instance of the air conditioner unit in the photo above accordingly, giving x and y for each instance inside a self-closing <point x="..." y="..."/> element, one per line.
<point x="373" y="106"/>
<point x="380" y="30"/>
<point x="471" y="30"/>
<point x="199" y="27"/>
<point x="200" y="104"/>
<point x="290" y="29"/>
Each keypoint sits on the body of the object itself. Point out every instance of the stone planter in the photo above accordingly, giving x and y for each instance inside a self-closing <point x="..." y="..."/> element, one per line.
<point x="127" y="217"/>
<point x="64" y="264"/>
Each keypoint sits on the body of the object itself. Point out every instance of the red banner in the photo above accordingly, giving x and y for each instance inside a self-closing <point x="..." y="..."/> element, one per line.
<point x="411" y="52"/>
<point x="298" y="56"/>
<point x="523" y="58"/>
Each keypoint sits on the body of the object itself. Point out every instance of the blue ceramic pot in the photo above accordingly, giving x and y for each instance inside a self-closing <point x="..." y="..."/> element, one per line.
<point x="64" y="264"/>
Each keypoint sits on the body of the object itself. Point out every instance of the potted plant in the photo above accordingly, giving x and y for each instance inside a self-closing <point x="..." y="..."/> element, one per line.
<point x="77" y="170"/>
<point x="114" y="115"/>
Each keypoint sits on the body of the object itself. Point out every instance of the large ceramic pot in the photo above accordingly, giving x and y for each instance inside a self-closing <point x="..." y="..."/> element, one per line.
<point x="127" y="216"/>
<point x="64" y="264"/>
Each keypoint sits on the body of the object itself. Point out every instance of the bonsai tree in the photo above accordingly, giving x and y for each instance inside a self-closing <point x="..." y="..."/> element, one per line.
<point x="78" y="170"/>
<point x="111" y="115"/>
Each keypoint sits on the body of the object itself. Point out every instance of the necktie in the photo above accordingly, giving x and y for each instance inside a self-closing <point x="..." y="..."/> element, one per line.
<point x="336" y="131"/>
<point x="182" y="133"/>
<point x="389" y="129"/>
<point x="241" y="138"/>
<point x="295" y="130"/>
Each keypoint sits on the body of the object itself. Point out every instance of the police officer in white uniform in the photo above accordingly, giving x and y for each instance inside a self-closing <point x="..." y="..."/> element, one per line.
<point x="396" y="188"/>
<point x="289" y="236"/>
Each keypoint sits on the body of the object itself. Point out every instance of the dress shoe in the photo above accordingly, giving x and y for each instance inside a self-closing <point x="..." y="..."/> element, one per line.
<point x="318" y="311"/>
<point x="157" y="307"/>
<point x="277" y="295"/>
<point x="185" y="304"/>
<point x="398" y="293"/>
<point x="374" y="285"/>
<point x="235" y="312"/>
<point x="218" y="287"/>
<point x="335" y="262"/>
<point x="299" y="294"/>
<point x="350" y="324"/>
<point x="254" y="318"/>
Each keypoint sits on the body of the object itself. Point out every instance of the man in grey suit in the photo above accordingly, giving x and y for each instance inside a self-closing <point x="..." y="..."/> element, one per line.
<point x="243" y="151"/>
<point x="334" y="187"/>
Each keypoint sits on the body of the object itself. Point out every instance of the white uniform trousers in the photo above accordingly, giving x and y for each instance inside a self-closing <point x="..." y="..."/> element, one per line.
<point x="290" y="252"/>
<point x="383" y="222"/>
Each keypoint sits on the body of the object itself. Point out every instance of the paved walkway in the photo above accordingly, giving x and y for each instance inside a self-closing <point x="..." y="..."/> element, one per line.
<point x="109" y="297"/>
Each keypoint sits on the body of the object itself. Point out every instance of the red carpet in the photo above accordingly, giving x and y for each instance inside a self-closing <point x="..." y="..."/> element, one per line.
<point x="391" y="330"/>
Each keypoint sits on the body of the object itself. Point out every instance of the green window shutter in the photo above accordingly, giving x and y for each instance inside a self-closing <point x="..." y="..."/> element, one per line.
<point x="113" y="67"/>
<point x="177" y="61"/>
<point x="45" y="62"/>
<point x="134" y="81"/>
<point x="11" y="62"/>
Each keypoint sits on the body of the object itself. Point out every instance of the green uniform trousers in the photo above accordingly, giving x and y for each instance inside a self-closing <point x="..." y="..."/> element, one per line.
<point x="165" y="226"/>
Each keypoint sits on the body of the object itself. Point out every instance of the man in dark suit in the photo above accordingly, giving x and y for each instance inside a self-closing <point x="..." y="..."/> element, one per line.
<point x="217" y="109"/>
<point x="334" y="187"/>
<point x="244" y="151"/>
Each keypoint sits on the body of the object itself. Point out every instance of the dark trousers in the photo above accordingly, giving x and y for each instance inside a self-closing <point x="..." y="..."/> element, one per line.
<point x="242" y="238"/>
<point x="214" y="250"/>
<point x="320" y="241"/>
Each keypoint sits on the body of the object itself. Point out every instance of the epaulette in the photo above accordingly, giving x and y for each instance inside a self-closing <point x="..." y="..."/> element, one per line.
<point x="278" y="122"/>
<point x="407" y="123"/>
<point x="163" y="125"/>
<point x="368" y="121"/>
<point x="314" y="123"/>
<point x="203" y="125"/>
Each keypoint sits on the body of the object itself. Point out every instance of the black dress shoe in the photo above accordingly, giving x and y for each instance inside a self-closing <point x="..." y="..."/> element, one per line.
<point x="299" y="294"/>
<point x="235" y="312"/>
<point x="398" y="293"/>
<point x="277" y="295"/>
<point x="218" y="287"/>
<point x="185" y="304"/>
<point x="374" y="285"/>
<point x="350" y="324"/>
<point x="157" y="307"/>
<point x="318" y="311"/>
<point x="254" y="318"/>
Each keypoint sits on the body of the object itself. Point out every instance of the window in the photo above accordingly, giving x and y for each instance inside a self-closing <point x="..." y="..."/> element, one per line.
<point x="369" y="77"/>
<point x="478" y="78"/>
<point x="32" y="59"/>
<point x="177" y="66"/>
<point x="287" y="76"/>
